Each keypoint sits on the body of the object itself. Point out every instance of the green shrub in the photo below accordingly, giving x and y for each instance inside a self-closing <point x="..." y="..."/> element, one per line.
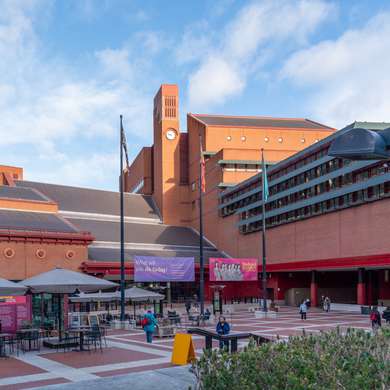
<point x="326" y="361"/>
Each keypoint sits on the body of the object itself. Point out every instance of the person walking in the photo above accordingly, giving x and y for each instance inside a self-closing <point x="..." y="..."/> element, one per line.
<point x="327" y="304"/>
<point x="303" y="310"/>
<point x="386" y="315"/>
<point x="188" y="306"/>
<point x="375" y="319"/>
<point x="149" y="323"/>
<point x="223" y="328"/>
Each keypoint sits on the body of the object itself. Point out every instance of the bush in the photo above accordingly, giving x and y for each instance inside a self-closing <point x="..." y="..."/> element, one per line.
<point x="354" y="360"/>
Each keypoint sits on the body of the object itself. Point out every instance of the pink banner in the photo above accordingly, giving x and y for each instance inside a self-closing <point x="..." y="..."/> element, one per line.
<point x="13" y="311"/>
<point x="225" y="270"/>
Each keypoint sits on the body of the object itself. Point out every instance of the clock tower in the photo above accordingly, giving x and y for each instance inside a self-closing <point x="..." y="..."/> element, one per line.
<point x="167" y="149"/>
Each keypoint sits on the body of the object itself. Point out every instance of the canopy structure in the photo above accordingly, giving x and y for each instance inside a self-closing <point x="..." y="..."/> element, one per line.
<point x="10" y="288"/>
<point x="63" y="281"/>
<point x="133" y="294"/>
<point x="136" y="294"/>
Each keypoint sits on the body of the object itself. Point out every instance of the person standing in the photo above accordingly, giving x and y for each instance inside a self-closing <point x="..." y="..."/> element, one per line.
<point x="149" y="323"/>
<point x="303" y="310"/>
<point x="386" y="315"/>
<point x="223" y="328"/>
<point x="375" y="318"/>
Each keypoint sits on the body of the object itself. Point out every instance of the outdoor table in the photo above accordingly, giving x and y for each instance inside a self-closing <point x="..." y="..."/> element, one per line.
<point x="81" y="332"/>
<point x="3" y="336"/>
<point x="28" y="331"/>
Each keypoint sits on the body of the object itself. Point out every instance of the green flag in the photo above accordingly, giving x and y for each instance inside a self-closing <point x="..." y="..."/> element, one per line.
<point x="265" y="179"/>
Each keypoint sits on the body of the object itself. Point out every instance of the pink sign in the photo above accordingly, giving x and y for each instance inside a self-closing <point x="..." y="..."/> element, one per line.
<point x="13" y="311"/>
<point x="225" y="270"/>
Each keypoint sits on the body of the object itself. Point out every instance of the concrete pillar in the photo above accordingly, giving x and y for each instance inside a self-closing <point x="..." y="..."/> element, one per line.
<point x="361" y="288"/>
<point x="313" y="289"/>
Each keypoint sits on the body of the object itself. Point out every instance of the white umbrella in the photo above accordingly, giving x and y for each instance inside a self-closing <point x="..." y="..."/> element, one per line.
<point x="96" y="297"/>
<point x="63" y="281"/>
<point x="137" y="294"/>
<point x="11" y="288"/>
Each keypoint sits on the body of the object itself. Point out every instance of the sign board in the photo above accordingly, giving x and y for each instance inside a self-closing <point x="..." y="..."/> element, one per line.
<point x="164" y="269"/>
<point x="14" y="310"/>
<point x="226" y="270"/>
<point x="93" y="320"/>
<point x="183" y="349"/>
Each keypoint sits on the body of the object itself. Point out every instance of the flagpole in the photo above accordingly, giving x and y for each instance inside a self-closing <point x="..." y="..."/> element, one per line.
<point x="122" y="227"/>
<point x="201" y="259"/>
<point x="264" y="276"/>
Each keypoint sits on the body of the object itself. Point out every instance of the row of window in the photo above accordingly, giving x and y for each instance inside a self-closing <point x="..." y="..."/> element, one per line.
<point x="310" y="192"/>
<point x="353" y="199"/>
<point x="281" y="172"/>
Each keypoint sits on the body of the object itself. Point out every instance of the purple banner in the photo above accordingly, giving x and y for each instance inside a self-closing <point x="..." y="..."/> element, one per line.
<point x="164" y="269"/>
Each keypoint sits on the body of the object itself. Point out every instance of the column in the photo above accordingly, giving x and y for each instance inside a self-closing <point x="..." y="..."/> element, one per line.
<point x="370" y="288"/>
<point x="361" y="288"/>
<point x="313" y="289"/>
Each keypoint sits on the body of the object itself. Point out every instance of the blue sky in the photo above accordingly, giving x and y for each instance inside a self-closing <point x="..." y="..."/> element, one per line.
<point x="69" y="68"/>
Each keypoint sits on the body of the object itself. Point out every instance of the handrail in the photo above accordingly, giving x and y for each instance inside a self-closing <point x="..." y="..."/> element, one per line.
<point x="229" y="338"/>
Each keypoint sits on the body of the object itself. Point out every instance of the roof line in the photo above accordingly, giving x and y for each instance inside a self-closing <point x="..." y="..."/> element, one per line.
<point x="107" y="217"/>
<point x="79" y="188"/>
<point x="249" y="116"/>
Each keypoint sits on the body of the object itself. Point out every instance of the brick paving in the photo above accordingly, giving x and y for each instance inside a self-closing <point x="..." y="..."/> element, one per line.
<point x="127" y="351"/>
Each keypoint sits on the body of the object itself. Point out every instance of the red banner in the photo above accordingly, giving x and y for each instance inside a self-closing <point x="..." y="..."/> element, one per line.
<point x="225" y="270"/>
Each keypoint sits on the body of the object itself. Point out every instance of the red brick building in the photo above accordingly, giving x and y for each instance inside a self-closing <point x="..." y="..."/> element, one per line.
<point x="326" y="217"/>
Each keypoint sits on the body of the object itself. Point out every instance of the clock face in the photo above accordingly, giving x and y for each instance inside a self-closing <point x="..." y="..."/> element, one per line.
<point x="170" y="134"/>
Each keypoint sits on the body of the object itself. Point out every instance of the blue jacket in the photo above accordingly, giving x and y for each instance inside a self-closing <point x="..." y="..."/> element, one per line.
<point x="223" y="328"/>
<point x="152" y="322"/>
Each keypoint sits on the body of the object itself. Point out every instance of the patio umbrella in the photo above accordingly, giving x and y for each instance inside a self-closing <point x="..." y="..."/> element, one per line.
<point x="96" y="297"/>
<point x="61" y="281"/>
<point x="137" y="294"/>
<point x="64" y="281"/>
<point x="10" y="288"/>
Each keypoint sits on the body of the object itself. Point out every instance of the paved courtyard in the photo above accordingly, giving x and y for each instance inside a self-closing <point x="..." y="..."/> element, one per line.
<point x="127" y="354"/>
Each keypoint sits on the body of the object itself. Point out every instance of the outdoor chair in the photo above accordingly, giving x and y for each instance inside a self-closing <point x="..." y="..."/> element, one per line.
<point x="13" y="345"/>
<point x="94" y="338"/>
<point x="103" y="332"/>
<point x="3" y="353"/>
<point x="34" y="340"/>
<point x="69" y="341"/>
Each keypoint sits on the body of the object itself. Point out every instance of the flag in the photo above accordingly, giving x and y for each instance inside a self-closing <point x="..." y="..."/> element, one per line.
<point x="124" y="144"/>
<point x="202" y="168"/>
<point x="264" y="179"/>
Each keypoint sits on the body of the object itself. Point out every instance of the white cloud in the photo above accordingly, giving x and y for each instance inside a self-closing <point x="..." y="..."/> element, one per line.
<point x="255" y="27"/>
<point x="46" y="106"/>
<point x="78" y="170"/>
<point x="223" y="80"/>
<point x="348" y="78"/>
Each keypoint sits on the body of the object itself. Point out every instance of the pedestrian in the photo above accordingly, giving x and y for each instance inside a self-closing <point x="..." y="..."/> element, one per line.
<point x="308" y="303"/>
<point x="323" y="302"/>
<point x="303" y="310"/>
<point x="223" y="328"/>
<point x="188" y="306"/>
<point x="327" y="304"/>
<point x="386" y="315"/>
<point x="375" y="319"/>
<point x="149" y="323"/>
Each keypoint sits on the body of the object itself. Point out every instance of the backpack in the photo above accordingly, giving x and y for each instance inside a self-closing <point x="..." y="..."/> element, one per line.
<point x="373" y="316"/>
<point x="145" y="321"/>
